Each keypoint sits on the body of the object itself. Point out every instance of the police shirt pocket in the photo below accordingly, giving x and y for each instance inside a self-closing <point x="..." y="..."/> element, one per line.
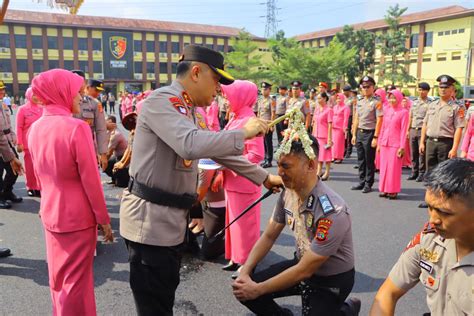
<point x="183" y="164"/>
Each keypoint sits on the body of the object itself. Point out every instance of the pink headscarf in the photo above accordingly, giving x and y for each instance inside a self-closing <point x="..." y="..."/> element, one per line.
<point x="409" y="103"/>
<point x="57" y="89"/>
<point x="342" y="99"/>
<point x="139" y="105"/>
<point x="383" y="96"/>
<point x="399" y="96"/>
<point x="29" y="95"/>
<point x="241" y="95"/>
<point x="212" y="117"/>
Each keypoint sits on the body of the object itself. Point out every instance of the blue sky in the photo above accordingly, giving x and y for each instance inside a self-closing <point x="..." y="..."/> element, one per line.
<point x="295" y="17"/>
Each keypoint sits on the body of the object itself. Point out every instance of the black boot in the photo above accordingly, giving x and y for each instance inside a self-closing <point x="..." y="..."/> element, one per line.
<point x="420" y="177"/>
<point x="413" y="176"/>
<point x="12" y="197"/>
<point x="5" y="204"/>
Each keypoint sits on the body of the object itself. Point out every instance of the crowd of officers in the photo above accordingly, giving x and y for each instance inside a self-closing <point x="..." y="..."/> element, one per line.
<point x="163" y="171"/>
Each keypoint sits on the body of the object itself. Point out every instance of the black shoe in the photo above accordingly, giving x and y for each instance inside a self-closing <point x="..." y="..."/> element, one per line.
<point x="231" y="267"/>
<point x="367" y="189"/>
<point x="5" y="252"/>
<point x="12" y="197"/>
<point x="111" y="182"/>
<point x="267" y="165"/>
<point x="5" y="204"/>
<point x="356" y="167"/>
<point x="31" y="193"/>
<point x="347" y="156"/>
<point x="413" y="176"/>
<point x="38" y="193"/>
<point x="351" y="306"/>
<point x="420" y="177"/>
<point x="423" y="205"/>
<point x="357" y="187"/>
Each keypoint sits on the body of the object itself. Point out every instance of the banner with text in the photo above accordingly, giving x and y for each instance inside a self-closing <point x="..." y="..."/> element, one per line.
<point x="118" y="55"/>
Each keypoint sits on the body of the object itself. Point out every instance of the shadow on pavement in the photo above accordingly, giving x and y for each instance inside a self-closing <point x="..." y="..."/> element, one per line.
<point x="31" y="269"/>
<point x="365" y="283"/>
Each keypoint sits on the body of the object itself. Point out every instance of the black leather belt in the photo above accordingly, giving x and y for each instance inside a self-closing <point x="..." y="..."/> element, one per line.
<point x="440" y="139"/>
<point x="366" y="130"/>
<point x="416" y="128"/>
<point x="160" y="197"/>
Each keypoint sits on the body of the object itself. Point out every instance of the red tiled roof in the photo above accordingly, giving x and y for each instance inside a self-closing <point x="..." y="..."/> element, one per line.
<point x="96" y="22"/>
<point x="424" y="16"/>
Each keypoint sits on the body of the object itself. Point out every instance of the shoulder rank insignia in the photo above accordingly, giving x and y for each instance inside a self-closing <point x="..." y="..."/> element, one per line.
<point x="186" y="98"/>
<point x="310" y="203"/>
<point x="326" y="204"/>
<point x="428" y="255"/>
<point x="179" y="106"/>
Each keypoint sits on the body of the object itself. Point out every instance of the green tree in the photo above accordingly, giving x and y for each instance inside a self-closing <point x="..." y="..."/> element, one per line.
<point x="243" y="61"/>
<point x="392" y="45"/>
<point x="364" y="43"/>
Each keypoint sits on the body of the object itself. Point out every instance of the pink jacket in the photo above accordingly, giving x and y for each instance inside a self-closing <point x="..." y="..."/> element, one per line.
<point x="341" y="113"/>
<point x="212" y="118"/>
<point x="64" y="158"/>
<point x="395" y="124"/>
<point x="241" y="96"/>
<point x="27" y="114"/>
<point x="468" y="141"/>
<point x="321" y="119"/>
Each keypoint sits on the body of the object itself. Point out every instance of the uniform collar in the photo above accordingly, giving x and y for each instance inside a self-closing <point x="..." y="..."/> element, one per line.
<point x="312" y="199"/>
<point x="466" y="261"/>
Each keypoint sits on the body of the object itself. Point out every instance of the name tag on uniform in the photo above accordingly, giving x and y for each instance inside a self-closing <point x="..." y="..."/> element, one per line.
<point x="426" y="266"/>
<point x="288" y="212"/>
<point x="326" y="204"/>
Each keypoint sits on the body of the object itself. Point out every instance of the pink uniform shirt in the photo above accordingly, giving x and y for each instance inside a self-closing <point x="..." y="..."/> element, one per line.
<point x="468" y="141"/>
<point x="341" y="113"/>
<point x="321" y="119"/>
<point x="27" y="114"/>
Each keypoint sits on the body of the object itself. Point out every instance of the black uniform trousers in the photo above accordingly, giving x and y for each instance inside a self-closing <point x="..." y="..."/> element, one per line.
<point x="268" y="142"/>
<point x="437" y="150"/>
<point x="280" y="127"/>
<point x="348" y="148"/>
<point x="320" y="295"/>
<point x="418" y="160"/>
<point x="222" y="121"/>
<point x="121" y="177"/>
<point x="112" y="106"/>
<point x="154" y="277"/>
<point x="214" y="221"/>
<point x="7" y="182"/>
<point x="365" y="156"/>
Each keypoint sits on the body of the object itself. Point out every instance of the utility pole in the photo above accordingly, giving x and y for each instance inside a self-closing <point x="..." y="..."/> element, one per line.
<point x="271" y="20"/>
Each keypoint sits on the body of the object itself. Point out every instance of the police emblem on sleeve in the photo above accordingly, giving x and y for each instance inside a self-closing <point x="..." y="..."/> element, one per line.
<point x="322" y="232"/>
<point x="178" y="105"/>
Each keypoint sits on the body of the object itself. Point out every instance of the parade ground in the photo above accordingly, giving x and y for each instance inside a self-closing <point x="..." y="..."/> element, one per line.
<point x="381" y="230"/>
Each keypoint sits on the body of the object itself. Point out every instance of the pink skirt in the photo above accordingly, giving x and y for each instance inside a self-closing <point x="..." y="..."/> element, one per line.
<point x="70" y="267"/>
<point x="339" y="143"/>
<point x="390" y="170"/>
<point x="244" y="233"/>
<point x="407" y="156"/>
<point x="325" y="155"/>
<point x="31" y="181"/>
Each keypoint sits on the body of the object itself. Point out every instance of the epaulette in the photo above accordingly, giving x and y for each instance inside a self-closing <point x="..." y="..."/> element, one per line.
<point x="326" y="204"/>
<point x="429" y="99"/>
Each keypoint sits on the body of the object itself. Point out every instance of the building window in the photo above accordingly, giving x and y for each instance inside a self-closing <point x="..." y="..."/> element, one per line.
<point x="327" y="41"/>
<point x="461" y="31"/>
<point x="220" y="48"/>
<point x="150" y="67"/>
<point x="175" y="48"/>
<point x="82" y="43"/>
<point x="84" y="65"/>
<point x="5" y="40"/>
<point x="52" y="42"/>
<point x="426" y="59"/>
<point x="163" y="68"/>
<point x="22" y="65"/>
<point x="69" y="64"/>
<point x="37" y="66"/>
<point x="97" y="66"/>
<point x="454" y="32"/>
<point x="440" y="33"/>
<point x="53" y="64"/>
<point x="447" y="32"/>
<point x="68" y="43"/>
<point x="174" y="67"/>
<point x="150" y="46"/>
<point x="428" y="39"/>
<point x="5" y="65"/>
<point x="137" y="46"/>
<point x="37" y="42"/>
<point x="441" y="57"/>
<point x="137" y="65"/>
<point x="163" y="47"/>
<point x="20" y="41"/>
<point x="97" y="44"/>
<point x="413" y="61"/>
<point x="414" y="41"/>
<point x="456" y="56"/>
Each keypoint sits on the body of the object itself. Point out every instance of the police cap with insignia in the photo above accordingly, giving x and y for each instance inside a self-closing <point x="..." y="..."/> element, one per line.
<point x="445" y="81"/>
<point x="266" y="85"/>
<point x="296" y="84"/>
<point x="129" y="121"/>
<point x="283" y="87"/>
<point x="347" y="88"/>
<point x="424" y="86"/>
<point x="2" y="85"/>
<point x="98" y="84"/>
<point x="323" y="84"/>
<point x="79" y="72"/>
<point x="213" y="59"/>
<point x="367" y="79"/>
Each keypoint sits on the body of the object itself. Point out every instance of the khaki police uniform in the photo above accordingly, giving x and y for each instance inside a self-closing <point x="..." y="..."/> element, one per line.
<point x="432" y="261"/>
<point x="300" y="103"/>
<point x="368" y="110"/>
<point x="266" y="106"/>
<point x="93" y="114"/>
<point x="321" y="224"/>
<point x="280" y="110"/>
<point x="418" y="113"/>
<point x="164" y="175"/>
<point x="8" y="181"/>
<point x="442" y="120"/>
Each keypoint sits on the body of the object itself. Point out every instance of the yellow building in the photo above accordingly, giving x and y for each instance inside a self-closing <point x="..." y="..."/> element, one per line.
<point x="441" y="41"/>
<point x="127" y="54"/>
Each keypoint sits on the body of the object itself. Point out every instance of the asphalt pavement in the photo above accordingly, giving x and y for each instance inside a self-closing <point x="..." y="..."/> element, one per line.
<point x="381" y="229"/>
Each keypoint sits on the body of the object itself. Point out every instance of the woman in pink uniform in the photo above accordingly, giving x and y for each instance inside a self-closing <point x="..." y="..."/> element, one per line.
<point x="340" y="122"/>
<point x="467" y="147"/>
<point x="72" y="203"/>
<point x="322" y="130"/>
<point x="27" y="114"/>
<point x="240" y="192"/>
<point x="392" y="145"/>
